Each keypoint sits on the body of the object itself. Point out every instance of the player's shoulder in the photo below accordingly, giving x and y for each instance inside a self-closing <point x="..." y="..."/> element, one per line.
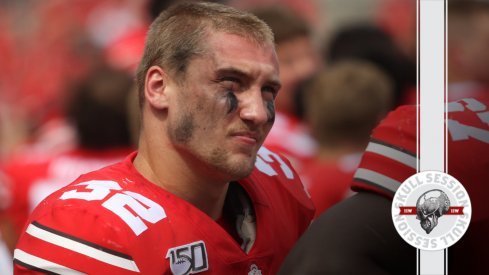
<point x="391" y="155"/>
<point x="106" y="215"/>
<point x="399" y="123"/>
<point x="106" y="195"/>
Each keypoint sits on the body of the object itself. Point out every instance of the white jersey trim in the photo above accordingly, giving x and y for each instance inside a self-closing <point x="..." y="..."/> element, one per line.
<point x="377" y="179"/>
<point x="392" y="153"/>
<point x="81" y="248"/>
<point x="43" y="264"/>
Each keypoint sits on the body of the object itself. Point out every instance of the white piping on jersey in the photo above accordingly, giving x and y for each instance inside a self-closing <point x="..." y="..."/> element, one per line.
<point x="81" y="248"/>
<point x="43" y="264"/>
<point x="378" y="179"/>
<point x="392" y="153"/>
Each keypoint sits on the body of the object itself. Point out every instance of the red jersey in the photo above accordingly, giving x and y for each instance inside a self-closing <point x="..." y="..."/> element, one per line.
<point x="114" y="221"/>
<point x="329" y="182"/>
<point x="33" y="177"/>
<point x="390" y="157"/>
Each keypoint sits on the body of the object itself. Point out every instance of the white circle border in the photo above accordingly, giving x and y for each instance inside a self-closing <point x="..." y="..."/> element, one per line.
<point x="411" y="235"/>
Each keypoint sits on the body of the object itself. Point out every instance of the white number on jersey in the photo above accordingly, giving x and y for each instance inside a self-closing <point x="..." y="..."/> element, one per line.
<point x="144" y="208"/>
<point x="265" y="157"/>
<point x="460" y="131"/>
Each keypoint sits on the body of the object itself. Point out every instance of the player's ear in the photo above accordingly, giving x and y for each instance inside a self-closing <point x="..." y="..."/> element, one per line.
<point x="155" y="90"/>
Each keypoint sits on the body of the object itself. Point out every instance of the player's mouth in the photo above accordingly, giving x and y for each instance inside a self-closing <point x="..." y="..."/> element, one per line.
<point x="250" y="138"/>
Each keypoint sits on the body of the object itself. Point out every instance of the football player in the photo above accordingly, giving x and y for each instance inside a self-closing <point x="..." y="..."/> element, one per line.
<point x="357" y="236"/>
<point x="199" y="195"/>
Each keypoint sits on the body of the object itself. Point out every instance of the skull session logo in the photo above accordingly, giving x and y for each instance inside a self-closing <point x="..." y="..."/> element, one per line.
<point x="428" y="210"/>
<point x="431" y="210"/>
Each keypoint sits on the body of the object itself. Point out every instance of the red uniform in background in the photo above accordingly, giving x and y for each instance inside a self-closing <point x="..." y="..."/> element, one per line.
<point x="390" y="157"/>
<point x="290" y="137"/>
<point x="357" y="235"/>
<point x="329" y="182"/>
<point x="141" y="228"/>
<point x="34" y="177"/>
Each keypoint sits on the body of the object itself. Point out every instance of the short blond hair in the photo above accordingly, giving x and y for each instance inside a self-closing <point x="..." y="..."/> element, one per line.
<point x="176" y="35"/>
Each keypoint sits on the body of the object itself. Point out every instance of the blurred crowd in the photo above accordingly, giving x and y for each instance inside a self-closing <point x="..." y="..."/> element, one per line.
<point x="67" y="102"/>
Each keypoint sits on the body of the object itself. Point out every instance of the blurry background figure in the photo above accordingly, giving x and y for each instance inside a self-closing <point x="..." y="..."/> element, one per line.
<point x="370" y="43"/>
<point x="344" y="103"/>
<point x="468" y="42"/>
<point x="398" y="20"/>
<point x="308" y="10"/>
<point x="468" y="39"/>
<point x="119" y="28"/>
<point x="96" y="109"/>
<point x="298" y="60"/>
<point x="41" y="40"/>
<point x="357" y="236"/>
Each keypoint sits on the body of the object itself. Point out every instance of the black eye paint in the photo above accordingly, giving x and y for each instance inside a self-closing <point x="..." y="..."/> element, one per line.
<point x="271" y="111"/>
<point x="232" y="102"/>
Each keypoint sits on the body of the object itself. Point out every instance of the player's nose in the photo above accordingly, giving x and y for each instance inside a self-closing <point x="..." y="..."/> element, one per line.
<point x="253" y="107"/>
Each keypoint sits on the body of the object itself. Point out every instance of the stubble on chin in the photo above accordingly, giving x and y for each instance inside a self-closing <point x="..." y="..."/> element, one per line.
<point x="234" y="169"/>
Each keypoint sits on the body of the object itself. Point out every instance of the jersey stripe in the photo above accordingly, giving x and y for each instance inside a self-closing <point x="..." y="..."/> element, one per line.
<point x="378" y="179"/>
<point x="32" y="262"/>
<point x="392" y="153"/>
<point x="91" y="250"/>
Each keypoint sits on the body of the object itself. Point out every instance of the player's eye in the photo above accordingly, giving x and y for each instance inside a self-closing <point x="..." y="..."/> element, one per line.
<point x="231" y="84"/>
<point x="270" y="91"/>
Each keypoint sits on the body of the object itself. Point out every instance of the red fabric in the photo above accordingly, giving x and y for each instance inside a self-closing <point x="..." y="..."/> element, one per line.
<point x="328" y="182"/>
<point x="34" y="177"/>
<point x="125" y="53"/>
<point x="456" y="91"/>
<point x="282" y="208"/>
<point x="468" y="149"/>
<point x="290" y="137"/>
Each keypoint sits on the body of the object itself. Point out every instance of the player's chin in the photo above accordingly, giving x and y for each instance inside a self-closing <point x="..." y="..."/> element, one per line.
<point x="243" y="172"/>
<point x="242" y="167"/>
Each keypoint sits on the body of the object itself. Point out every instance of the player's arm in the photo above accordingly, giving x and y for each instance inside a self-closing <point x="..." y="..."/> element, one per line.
<point x="90" y="245"/>
<point x="356" y="236"/>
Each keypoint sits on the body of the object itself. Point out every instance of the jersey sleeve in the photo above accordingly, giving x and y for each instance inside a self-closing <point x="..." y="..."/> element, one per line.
<point x="390" y="157"/>
<point x="87" y="228"/>
<point x="67" y="239"/>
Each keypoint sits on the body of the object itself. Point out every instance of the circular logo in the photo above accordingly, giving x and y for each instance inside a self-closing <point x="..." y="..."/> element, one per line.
<point x="431" y="210"/>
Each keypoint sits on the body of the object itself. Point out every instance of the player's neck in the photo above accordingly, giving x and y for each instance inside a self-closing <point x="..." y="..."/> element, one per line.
<point x="333" y="153"/>
<point x="175" y="175"/>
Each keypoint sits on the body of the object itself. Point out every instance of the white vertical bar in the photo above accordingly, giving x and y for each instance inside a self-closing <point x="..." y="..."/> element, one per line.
<point x="432" y="105"/>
